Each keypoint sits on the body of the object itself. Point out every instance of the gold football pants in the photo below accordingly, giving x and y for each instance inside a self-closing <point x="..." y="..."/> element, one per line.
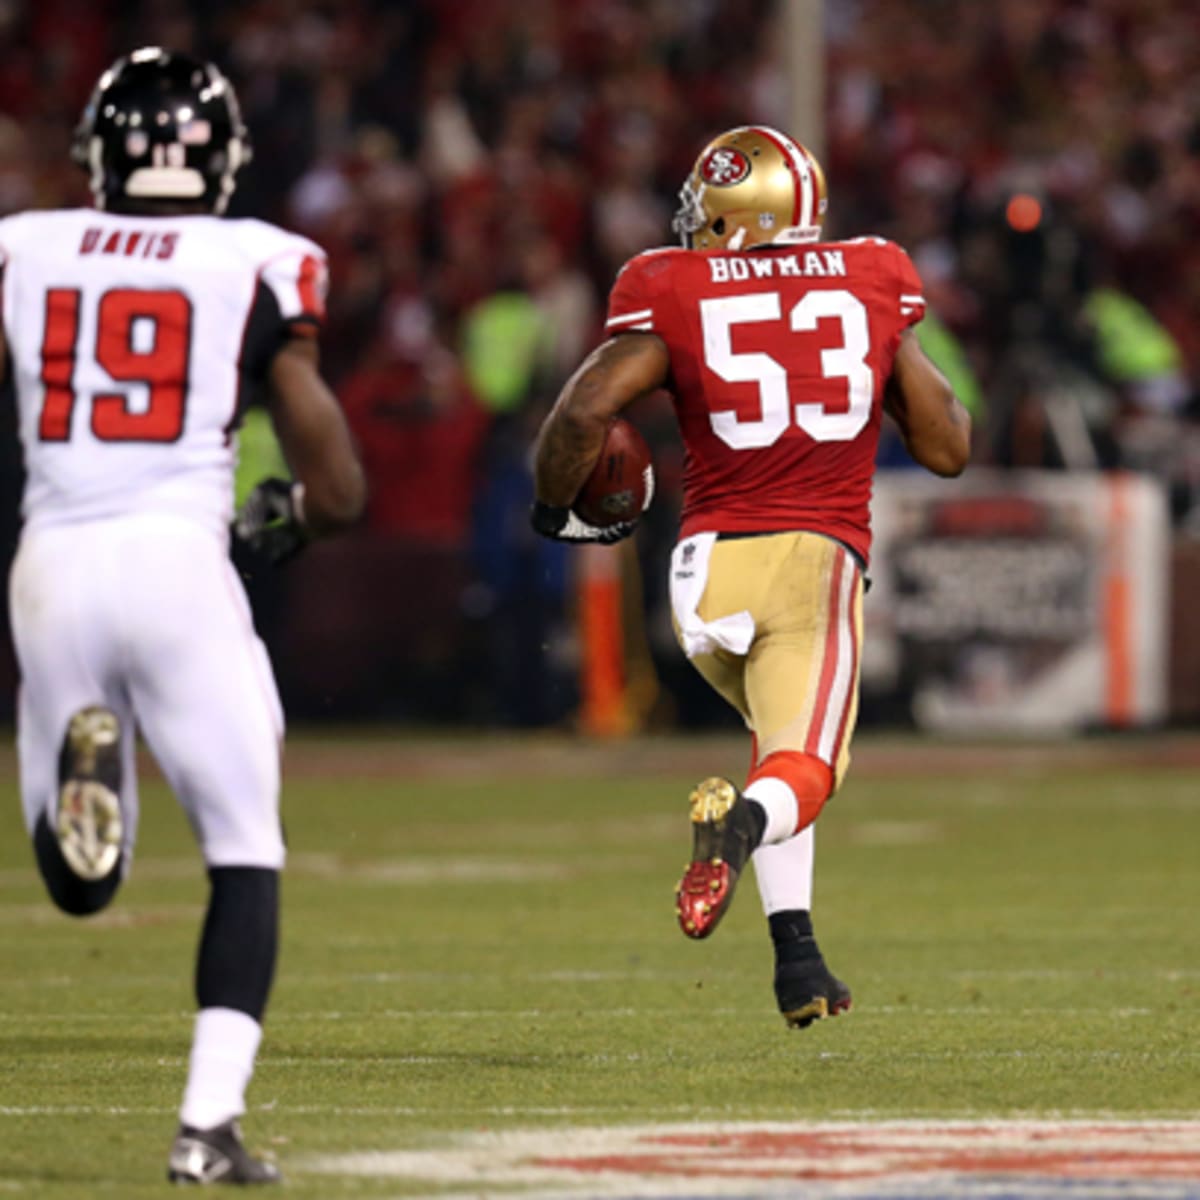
<point x="797" y="686"/>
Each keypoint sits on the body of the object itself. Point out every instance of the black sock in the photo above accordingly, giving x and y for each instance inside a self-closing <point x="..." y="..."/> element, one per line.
<point x="79" y="897"/>
<point x="236" y="962"/>
<point x="792" y="933"/>
<point x="758" y="815"/>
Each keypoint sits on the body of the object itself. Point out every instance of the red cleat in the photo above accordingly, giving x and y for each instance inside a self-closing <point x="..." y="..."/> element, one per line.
<point x="723" y="835"/>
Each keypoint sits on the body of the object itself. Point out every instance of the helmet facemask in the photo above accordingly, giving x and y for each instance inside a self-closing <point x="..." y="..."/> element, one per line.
<point x="689" y="217"/>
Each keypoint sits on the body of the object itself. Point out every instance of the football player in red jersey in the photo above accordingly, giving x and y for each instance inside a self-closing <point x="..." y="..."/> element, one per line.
<point x="782" y="352"/>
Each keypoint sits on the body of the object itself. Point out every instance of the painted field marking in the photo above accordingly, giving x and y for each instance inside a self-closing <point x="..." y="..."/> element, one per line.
<point x="1026" y="1158"/>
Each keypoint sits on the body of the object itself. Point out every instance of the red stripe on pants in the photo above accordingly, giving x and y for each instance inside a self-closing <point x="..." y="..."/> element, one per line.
<point x="841" y="733"/>
<point x="829" y="662"/>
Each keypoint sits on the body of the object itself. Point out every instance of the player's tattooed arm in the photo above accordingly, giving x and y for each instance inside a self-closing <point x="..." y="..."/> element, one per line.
<point x="936" y="428"/>
<point x="610" y="378"/>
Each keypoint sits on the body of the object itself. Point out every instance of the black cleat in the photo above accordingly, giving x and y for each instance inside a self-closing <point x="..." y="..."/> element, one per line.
<point x="808" y="991"/>
<point x="216" y="1155"/>
<point x="724" y="832"/>
<point x="88" y="823"/>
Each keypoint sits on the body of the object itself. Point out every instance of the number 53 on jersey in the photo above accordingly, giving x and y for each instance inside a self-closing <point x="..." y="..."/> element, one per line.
<point x="848" y="362"/>
<point x="778" y="360"/>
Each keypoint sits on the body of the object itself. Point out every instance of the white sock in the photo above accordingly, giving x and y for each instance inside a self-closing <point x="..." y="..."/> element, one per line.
<point x="223" y="1050"/>
<point x="784" y="873"/>
<point x="779" y="803"/>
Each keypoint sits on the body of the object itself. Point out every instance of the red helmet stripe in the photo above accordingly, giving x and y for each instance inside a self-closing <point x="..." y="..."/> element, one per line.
<point x="818" y="191"/>
<point x="777" y="141"/>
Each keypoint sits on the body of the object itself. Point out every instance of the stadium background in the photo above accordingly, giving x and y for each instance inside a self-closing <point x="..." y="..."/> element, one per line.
<point x="478" y="172"/>
<point x="478" y="937"/>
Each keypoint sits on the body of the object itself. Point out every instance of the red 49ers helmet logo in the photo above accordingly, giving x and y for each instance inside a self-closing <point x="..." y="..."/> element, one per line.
<point x="724" y="165"/>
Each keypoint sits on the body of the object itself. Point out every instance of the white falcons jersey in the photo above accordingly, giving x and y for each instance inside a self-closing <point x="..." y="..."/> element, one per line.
<point x="134" y="343"/>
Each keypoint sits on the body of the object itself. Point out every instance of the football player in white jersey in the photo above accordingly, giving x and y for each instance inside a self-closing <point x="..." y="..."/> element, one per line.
<point x="135" y="333"/>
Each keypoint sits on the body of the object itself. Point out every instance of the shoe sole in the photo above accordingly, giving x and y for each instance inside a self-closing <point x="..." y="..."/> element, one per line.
<point x="704" y="892"/>
<point x="711" y="801"/>
<point x="88" y="824"/>
<point x="817" y="1009"/>
<point x="198" y="1160"/>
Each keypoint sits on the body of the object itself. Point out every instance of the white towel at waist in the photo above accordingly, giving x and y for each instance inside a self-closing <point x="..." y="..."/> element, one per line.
<point x="689" y="577"/>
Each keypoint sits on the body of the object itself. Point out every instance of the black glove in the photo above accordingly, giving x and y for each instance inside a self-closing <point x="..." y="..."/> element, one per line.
<point x="271" y="520"/>
<point x="563" y="525"/>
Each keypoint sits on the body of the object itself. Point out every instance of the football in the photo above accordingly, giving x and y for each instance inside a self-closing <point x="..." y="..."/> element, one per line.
<point x="615" y="491"/>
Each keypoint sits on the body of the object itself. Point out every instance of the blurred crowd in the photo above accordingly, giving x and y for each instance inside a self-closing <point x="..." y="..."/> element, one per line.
<point x="479" y="171"/>
<point x="1041" y="161"/>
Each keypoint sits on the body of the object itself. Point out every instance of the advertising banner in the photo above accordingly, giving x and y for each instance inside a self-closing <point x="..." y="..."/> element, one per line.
<point x="1020" y="601"/>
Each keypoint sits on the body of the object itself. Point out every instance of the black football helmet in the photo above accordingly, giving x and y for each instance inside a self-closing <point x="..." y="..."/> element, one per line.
<point x="161" y="126"/>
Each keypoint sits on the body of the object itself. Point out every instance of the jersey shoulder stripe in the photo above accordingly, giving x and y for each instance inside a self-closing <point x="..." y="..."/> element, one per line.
<point x="292" y="266"/>
<point x="641" y="319"/>
<point x="639" y="283"/>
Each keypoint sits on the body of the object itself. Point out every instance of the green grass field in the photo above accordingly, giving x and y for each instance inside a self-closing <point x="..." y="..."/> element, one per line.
<point x="480" y="936"/>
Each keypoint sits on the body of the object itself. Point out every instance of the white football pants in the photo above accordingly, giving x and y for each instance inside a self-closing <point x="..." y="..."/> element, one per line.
<point x="146" y="615"/>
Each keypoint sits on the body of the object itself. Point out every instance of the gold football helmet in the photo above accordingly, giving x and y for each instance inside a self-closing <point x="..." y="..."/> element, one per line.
<point x="751" y="186"/>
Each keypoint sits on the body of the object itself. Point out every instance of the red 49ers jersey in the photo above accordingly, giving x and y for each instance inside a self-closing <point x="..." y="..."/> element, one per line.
<point x="779" y="357"/>
<point x="135" y="341"/>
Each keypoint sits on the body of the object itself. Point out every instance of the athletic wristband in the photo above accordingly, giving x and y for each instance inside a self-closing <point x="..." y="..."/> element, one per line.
<point x="548" y="519"/>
